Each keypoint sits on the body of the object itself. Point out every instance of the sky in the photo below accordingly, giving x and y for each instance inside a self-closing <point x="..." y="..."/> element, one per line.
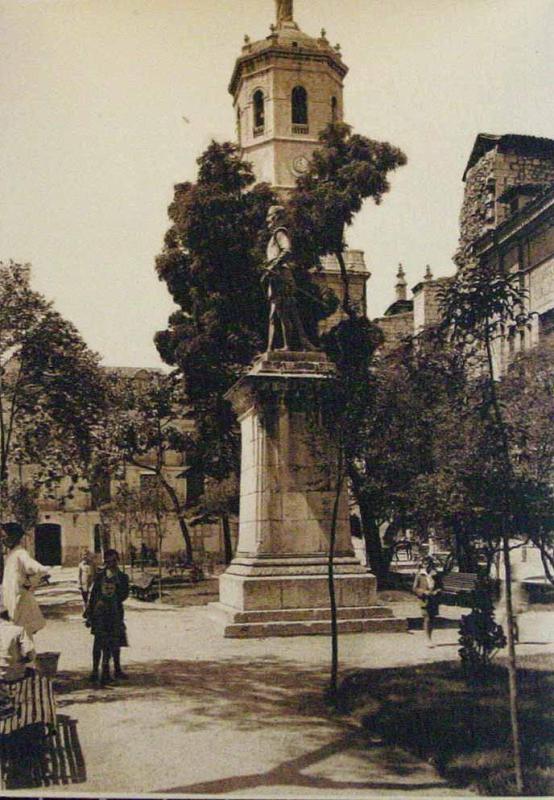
<point x="106" y="104"/>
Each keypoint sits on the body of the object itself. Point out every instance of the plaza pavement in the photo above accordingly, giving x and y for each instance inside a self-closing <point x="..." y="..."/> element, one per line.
<point x="206" y="716"/>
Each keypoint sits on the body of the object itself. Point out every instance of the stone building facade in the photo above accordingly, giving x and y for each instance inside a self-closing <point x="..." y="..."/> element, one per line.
<point x="506" y="217"/>
<point x="496" y="163"/>
<point x="74" y="519"/>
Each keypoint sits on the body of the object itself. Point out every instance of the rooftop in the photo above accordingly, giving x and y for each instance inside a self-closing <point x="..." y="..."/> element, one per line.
<point x="521" y="143"/>
<point x="288" y="41"/>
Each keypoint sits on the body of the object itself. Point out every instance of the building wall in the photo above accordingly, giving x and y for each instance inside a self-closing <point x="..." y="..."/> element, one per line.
<point x="273" y="151"/>
<point x="427" y="310"/>
<point x="330" y="277"/>
<point x="396" y="328"/>
<point x="487" y="180"/>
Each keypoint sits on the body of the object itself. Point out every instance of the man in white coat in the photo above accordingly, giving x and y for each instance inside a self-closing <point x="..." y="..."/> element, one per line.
<point x="21" y="574"/>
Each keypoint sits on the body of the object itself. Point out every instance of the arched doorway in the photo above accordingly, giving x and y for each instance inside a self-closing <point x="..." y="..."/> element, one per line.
<point x="48" y="544"/>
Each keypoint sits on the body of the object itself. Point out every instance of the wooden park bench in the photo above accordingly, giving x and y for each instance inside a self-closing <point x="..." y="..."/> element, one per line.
<point x="458" y="588"/>
<point x="142" y="586"/>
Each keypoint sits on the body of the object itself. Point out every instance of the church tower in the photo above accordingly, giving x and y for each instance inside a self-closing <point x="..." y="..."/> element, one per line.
<point x="286" y="88"/>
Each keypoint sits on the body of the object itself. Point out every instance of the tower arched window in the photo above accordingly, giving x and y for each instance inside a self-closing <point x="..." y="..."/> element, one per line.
<point x="334" y="109"/>
<point x="299" y="106"/>
<point x="259" y="111"/>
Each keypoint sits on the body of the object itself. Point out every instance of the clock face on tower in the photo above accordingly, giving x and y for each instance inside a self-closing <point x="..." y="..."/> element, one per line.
<point x="299" y="165"/>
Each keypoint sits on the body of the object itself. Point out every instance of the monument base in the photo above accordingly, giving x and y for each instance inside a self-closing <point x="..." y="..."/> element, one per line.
<point x="277" y="584"/>
<point x="262" y="597"/>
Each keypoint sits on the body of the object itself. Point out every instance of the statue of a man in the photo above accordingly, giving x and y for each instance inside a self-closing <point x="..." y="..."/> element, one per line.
<point x="281" y="288"/>
<point x="284" y="11"/>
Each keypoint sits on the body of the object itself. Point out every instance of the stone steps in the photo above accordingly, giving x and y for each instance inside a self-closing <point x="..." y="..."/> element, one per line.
<point x="312" y="614"/>
<point x="263" y="630"/>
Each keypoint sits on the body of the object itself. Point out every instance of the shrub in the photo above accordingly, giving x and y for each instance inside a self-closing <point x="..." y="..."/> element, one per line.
<point x="480" y="636"/>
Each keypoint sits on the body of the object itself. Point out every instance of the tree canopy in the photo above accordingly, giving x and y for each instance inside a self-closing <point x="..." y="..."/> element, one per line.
<point x="52" y="390"/>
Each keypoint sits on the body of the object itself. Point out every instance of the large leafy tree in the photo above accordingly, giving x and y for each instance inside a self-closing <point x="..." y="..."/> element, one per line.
<point x="345" y="170"/>
<point x="52" y="390"/>
<point x="211" y="264"/>
<point x="478" y="307"/>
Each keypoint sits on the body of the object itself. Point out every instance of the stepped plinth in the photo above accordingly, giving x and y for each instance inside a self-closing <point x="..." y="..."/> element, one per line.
<point x="277" y="584"/>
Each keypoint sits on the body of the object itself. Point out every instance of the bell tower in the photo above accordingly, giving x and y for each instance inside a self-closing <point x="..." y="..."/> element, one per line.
<point x="286" y="88"/>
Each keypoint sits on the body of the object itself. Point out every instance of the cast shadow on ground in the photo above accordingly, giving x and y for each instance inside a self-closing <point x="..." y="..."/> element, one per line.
<point x="251" y="695"/>
<point x="416" y="623"/>
<point x="245" y="694"/>
<point x="290" y="773"/>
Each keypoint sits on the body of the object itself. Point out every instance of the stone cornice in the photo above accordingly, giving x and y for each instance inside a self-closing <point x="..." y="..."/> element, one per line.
<point x="264" y="56"/>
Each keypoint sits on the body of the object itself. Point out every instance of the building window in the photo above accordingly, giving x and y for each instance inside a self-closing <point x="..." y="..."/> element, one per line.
<point x="299" y="107"/>
<point x="334" y="109"/>
<point x="546" y="324"/>
<point x="238" y="124"/>
<point x="259" y="112"/>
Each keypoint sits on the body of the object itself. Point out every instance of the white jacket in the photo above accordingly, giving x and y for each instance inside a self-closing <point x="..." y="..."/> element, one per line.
<point x="22" y="573"/>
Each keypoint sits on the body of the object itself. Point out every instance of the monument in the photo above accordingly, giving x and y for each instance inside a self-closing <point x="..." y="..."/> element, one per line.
<point x="277" y="584"/>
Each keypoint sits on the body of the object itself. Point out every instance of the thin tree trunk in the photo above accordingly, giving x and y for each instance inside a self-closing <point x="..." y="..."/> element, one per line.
<point x="180" y="518"/>
<point x="512" y="666"/>
<point x="159" y="565"/>
<point x="512" y="670"/>
<point x="227" y="541"/>
<point x="333" y="683"/>
<point x="345" y="304"/>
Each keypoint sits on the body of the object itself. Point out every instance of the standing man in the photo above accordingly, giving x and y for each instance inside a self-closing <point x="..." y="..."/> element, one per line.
<point x="427" y="587"/>
<point x="105" y="616"/>
<point x="21" y="575"/>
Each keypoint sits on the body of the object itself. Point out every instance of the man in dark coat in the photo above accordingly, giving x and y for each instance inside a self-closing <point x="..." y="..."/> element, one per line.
<point x="105" y="617"/>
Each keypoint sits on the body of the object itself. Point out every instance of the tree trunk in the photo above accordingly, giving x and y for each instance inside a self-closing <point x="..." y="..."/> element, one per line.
<point x="512" y="669"/>
<point x="374" y="551"/>
<point x="462" y="546"/>
<point x="173" y="496"/>
<point x="227" y="541"/>
<point x="159" y="565"/>
<point x="345" y="304"/>
<point x="333" y="682"/>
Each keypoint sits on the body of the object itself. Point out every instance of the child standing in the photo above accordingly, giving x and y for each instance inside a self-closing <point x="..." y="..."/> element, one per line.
<point x="105" y="616"/>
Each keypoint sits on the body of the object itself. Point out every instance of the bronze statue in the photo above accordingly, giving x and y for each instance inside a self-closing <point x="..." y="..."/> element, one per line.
<point x="284" y="11"/>
<point x="281" y="288"/>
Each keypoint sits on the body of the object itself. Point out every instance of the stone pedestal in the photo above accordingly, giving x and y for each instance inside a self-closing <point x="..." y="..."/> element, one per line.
<point x="277" y="582"/>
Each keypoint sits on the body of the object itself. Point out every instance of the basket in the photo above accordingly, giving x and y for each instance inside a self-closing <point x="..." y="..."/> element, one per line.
<point x="47" y="663"/>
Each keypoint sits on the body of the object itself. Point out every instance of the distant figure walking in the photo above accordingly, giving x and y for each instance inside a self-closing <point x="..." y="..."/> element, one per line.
<point x="87" y="570"/>
<point x="105" y="616"/>
<point x="427" y="587"/>
<point x="21" y="575"/>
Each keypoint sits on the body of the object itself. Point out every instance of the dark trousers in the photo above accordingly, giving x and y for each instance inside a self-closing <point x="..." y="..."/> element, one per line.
<point x="104" y="652"/>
